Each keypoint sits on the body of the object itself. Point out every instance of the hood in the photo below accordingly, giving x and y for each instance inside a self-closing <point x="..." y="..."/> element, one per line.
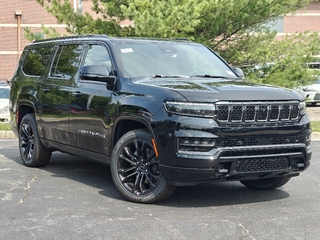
<point x="313" y="87"/>
<point x="210" y="89"/>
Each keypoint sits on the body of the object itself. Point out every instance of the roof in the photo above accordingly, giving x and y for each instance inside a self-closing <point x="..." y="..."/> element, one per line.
<point x="115" y="39"/>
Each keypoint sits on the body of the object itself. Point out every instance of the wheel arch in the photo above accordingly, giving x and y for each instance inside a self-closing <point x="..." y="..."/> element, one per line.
<point x="23" y="109"/>
<point x="124" y="124"/>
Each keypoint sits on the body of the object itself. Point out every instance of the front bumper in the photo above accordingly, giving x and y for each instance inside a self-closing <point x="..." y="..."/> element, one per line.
<point x="240" y="152"/>
<point x="284" y="160"/>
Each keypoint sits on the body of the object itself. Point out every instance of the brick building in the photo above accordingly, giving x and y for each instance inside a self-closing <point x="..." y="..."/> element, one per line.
<point x="15" y="15"/>
<point x="304" y="19"/>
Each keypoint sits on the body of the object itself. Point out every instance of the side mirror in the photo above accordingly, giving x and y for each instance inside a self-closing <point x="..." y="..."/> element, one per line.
<point x="239" y="72"/>
<point x="98" y="73"/>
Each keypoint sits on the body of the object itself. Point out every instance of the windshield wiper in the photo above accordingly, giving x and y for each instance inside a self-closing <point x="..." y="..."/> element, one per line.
<point x="170" y="76"/>
<point x="209" y="76"/>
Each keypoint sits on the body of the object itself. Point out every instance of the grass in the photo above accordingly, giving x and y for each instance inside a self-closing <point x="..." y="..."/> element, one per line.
<point x="5" y="127"/>
<point x="315" y="126"/>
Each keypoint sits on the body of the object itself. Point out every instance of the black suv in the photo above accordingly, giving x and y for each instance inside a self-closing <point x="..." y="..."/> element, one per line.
<point x="162" y="113"/>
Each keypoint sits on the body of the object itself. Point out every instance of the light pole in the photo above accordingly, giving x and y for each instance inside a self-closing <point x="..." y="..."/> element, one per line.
<point x="80" y="7"/>
<point x="77" y="6"/>
<point x="18" y="14"/>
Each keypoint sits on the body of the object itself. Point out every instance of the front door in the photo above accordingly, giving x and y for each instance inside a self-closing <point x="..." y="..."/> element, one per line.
<point x="89" y="100"/>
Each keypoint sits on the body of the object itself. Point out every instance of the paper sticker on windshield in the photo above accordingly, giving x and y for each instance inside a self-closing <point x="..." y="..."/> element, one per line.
<point x="126" y="50"/>
<point x="230" y="73"/>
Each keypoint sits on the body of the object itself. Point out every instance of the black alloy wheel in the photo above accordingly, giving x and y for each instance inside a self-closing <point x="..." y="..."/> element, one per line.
<point x="135" y="169"/>
<point x="32" y="152"/>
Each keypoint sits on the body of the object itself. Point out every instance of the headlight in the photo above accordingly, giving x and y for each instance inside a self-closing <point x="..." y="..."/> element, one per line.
<point x="191" y="109"/>
<point x="308" y="90"/>
<point x="302" y="108"/>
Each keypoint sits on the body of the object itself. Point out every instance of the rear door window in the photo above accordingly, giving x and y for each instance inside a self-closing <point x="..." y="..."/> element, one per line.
<point x="66" y="61"/>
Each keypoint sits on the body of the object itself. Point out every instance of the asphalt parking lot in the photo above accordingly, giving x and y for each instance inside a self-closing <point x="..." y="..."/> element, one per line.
<point x="73" y="198"/>
<point x="314" y="112"/>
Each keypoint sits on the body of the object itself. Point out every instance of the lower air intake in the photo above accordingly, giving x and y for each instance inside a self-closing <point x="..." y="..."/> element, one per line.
<point x="262" y="164"/>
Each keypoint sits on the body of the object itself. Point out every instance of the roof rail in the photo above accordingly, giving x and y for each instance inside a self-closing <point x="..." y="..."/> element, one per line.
<point x="72" y="37"/>
<point x="183" y="39"/>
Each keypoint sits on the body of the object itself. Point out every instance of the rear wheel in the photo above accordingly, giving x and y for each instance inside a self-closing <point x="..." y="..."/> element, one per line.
<point x="32" y="151"/>
<point x="135" y="169"/>
<point x="266" y="183"/>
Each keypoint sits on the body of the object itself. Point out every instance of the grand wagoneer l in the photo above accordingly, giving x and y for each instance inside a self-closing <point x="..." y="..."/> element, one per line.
<point x="162" y="112"/>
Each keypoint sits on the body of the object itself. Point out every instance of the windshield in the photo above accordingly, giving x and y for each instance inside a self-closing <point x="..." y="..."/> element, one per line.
<point x="161" y="59"/>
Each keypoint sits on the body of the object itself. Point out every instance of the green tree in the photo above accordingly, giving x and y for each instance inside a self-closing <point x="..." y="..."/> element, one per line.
<point x="236" y="29"/>
<point x="280" y="62"/>
<point x="47" y="32"/>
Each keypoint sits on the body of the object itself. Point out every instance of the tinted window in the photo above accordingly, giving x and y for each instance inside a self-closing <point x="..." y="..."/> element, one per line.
<point x="165" y="58"/>
<point x="66" y="61"/>
<point x="36" y="60"/>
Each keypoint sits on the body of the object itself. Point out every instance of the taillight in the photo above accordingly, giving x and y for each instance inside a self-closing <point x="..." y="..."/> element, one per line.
<point x="17" y="116"/>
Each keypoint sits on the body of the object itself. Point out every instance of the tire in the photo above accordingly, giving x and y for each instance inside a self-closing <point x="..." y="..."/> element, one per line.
<point x="135" y="169"/>
<point x="266" y="183"/>
<point x="32" y="152"/>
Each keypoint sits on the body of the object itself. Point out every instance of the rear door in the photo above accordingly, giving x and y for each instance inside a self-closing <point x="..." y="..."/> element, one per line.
<point x="54" y="93"/>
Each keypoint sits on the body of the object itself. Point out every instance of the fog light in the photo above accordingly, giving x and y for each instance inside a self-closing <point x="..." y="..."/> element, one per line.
<point x="205" y="142"/>
<point x="300" y="165"/>
<point x="196" y="144"/>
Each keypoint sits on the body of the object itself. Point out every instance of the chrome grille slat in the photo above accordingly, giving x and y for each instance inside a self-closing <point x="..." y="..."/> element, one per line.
<point x="237" y="112"/>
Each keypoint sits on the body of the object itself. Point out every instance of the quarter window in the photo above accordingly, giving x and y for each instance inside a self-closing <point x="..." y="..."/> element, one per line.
<point x="36" y="61"/>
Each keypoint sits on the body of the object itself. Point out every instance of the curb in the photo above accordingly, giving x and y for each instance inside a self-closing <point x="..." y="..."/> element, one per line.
<point x="10" y="134"/>
<point x="7" y="134"/>
<point x="315" y="136"/>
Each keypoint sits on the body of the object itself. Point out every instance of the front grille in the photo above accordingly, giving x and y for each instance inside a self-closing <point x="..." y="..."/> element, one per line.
<point x="236" y="112"/>
<point x="4" y="120"/>
<point x="317" y="96"/>
<point x="262" y="164"/>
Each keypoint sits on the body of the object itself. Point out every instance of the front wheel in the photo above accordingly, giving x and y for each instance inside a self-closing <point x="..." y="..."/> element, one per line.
<point x="266" y="183"/>
<point x="32" y="151"/>
<point x="135" y="169"/>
